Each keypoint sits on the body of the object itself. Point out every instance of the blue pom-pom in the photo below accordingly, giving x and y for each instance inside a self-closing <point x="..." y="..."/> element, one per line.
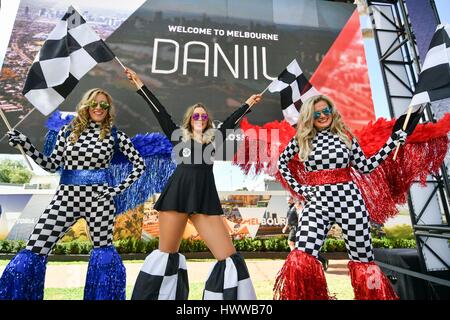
<point x="149" y="145"/>
<point x="56" y="120"/>
<point x="105" y="279"/>
<point x="24" y="276"/>
<point x="54" y="123"/>
<point x="50" y="142"/>
<point x="157" y="172"/>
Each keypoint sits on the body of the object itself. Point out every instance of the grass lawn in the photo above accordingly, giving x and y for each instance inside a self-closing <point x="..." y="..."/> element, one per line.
<point x="263" y="292"/>
<point x="338" y="285"/>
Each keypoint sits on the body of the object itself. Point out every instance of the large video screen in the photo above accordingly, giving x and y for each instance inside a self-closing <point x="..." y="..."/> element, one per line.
<point x="186" y="51"/>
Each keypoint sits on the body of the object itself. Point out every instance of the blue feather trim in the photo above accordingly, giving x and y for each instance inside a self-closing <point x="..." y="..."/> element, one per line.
<point x="157" y="173"/>
<point x="54" y="123"/>
<point x="24" y="276"/>
<point x="105" y="279"/>
<point x="156" y="150"/>
<point x="148" y="145"/>
<point x="56" y="120"/>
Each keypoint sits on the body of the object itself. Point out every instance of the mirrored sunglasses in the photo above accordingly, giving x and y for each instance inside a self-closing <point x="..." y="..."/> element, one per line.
<point x="103" y="104"/>
<point x="326" y="112"/>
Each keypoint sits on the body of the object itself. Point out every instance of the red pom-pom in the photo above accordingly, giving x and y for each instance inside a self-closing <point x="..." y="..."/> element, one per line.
<point x="369" y="282"/>
<point x="301" y="278"/>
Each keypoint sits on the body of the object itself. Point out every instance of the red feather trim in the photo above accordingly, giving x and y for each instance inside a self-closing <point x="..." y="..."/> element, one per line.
<point x="301" y="278"/>
<point x="369" y="282"/>
<point x="383" y="188"/>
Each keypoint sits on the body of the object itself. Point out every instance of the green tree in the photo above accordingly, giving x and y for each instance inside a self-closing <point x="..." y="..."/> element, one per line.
<point x="13" y="171"/>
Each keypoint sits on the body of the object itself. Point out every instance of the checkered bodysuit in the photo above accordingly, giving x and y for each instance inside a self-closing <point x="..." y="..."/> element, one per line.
<point x="339" y="203"/>
<point x="72" y="202"/>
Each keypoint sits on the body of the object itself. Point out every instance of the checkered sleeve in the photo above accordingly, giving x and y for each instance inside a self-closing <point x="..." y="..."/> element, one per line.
<point x="291" y="150"/>
<point x="128" y="149"/>
<point x="366" y="165"/>
<point x="161" y="114"/>
<point x="51" y="163"/>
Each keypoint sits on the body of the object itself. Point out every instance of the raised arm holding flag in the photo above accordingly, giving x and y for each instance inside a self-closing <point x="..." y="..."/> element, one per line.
<point x="324" y="163"/>
<point x="433" y="83"/>
<point x="83" y="152"/>
<point x="70" y="51"/>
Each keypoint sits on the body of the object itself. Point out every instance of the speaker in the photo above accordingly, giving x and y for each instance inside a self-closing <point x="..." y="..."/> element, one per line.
<point x="406" y="287"/>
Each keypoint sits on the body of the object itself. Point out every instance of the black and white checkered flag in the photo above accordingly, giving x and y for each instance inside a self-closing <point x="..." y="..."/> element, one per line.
<point x="70" y="51"/>
<point x="434" y="79"/>
<point x="294" y="89"/>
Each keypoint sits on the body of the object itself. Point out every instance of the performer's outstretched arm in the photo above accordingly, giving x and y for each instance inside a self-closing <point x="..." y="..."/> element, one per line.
<point x="51" y="163"/>
<point x="163" y="117"/>
<point x="366" y="165"/>
<point x="291" y="150"/>
<point x="232" y="121"/>
<point x="128" y="149"/>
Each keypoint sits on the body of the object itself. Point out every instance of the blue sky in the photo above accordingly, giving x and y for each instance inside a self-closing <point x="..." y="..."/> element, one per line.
<point x="443" y="7"/>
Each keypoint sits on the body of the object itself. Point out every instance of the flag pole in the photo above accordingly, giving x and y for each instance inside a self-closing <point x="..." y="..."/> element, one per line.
<point x="405" y="124"/>
<point x="124" y="68"/>
<point x="5" y="120"/>
<point x="17" y="124"/>
<point x="262" y="92"/>
<point x="266" y="89"/>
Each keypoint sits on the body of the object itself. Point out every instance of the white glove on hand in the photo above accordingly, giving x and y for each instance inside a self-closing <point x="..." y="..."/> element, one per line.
<point x="399" y="137"/>
<point x="16" y="138"/>
<point x="309" y="192"/>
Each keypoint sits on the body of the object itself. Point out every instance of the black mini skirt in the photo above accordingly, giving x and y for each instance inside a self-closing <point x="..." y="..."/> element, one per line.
<point x="191" y="189"/>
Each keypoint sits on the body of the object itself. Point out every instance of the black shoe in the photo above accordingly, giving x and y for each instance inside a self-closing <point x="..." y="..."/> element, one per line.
<point x="324" y="262"/>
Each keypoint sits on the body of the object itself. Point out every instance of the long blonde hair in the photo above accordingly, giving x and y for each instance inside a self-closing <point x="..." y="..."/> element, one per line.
<point x="188" y="131"/>
<point x="81" y="121"/>
<point x="306" y="130"/>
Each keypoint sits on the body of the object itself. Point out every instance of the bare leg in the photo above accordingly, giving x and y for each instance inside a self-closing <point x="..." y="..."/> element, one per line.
<point x="213" y="232"/>
<point x="163" y="275"/>
<point x="171" y="228"/>
<point x="291" y="245"/>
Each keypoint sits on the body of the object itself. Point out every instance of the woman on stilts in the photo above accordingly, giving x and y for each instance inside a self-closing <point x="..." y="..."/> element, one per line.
<point x="83" y="153"/>
<point x="191" y="194"/>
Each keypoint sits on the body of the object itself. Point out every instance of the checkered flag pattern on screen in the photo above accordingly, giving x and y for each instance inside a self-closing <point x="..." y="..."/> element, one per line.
<point x="70" y="51"/>
<point x="294" y="90"/>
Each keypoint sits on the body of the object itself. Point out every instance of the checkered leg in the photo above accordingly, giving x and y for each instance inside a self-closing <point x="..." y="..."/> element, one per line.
<point x="24" y="277"/>
<point x="312" y="229"/>
<point x="356" y="233"/>
<point x="229" y="280"/>
<point x="106" y="276"/>
<point x="163" y="276"/>
<point x="302" y="276"/>
<point x="100" y="219"/>
<point x="54" y="222"/>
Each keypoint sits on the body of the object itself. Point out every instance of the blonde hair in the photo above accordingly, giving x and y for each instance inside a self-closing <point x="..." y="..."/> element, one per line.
<point x="81" y="121"/>
<point x="306" y="130"/>
<point x="188" y="131"/>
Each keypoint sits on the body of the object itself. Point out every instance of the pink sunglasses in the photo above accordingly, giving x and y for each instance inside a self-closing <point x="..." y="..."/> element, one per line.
<point x="196" y="116"/>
